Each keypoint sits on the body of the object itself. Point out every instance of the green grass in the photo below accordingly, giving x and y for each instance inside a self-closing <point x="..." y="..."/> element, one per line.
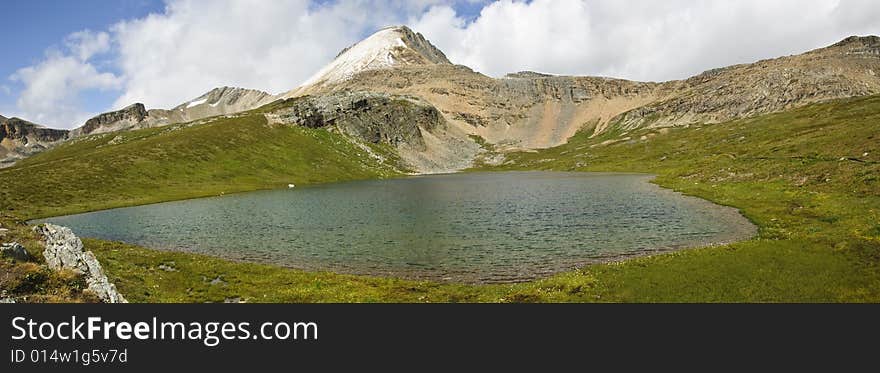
<point x="808" y="178"/>
<point x="31" y="280"/>
<point x="178" y="162"/>
<point x="801" y="176"/>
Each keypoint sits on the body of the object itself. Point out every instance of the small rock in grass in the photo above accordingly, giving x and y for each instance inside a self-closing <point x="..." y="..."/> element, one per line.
<point x="15" y="251"/>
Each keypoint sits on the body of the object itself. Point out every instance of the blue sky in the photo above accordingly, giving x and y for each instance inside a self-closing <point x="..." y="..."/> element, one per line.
<point x="65" y="61"/>
<point x="42" y="24"/>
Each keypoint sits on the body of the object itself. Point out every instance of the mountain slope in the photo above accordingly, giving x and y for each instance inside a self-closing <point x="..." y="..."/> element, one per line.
<point x="533" y="111"/>
<point x="849" y="68"/>
<point x="220" y="155"/>
<point x="20" y="138"/>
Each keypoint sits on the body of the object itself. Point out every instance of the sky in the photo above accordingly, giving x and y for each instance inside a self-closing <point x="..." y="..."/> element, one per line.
<point x="66" y="61"/>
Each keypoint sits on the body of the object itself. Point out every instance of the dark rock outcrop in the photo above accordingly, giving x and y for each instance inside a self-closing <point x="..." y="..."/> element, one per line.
<point x="371" y="117"/>
<point x="127" y="118"/>
<point x="20" y="138"/>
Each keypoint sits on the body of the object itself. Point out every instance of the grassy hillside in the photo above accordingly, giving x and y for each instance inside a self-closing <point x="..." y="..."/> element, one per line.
<point x="809" y="178"/>
<point x="224" y="155"/>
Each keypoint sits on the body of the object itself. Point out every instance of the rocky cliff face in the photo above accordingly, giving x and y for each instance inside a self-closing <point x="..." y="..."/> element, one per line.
<point x="20" y="138"/>
<point x="131" y="117"/>
<point x="415" y="128"/>
<point x="371" y="117"/>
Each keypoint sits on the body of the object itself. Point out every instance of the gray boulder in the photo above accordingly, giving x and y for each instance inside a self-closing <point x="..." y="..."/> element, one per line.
<point x="15" y="251"/>
<point x="65" y="250"/>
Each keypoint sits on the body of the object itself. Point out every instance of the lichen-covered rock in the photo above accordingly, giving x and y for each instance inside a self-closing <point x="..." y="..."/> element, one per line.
<point x="64" y="250"/>
<point x="15" y="251"/>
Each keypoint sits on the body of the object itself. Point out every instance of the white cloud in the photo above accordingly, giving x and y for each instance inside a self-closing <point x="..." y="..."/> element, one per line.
<point x="270" y="45"/>
<point x="643" y="40"/>
<point x="85" y="44"/>
<point x="52" y="87"/>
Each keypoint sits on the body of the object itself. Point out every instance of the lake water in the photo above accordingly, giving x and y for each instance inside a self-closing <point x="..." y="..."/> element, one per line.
<point x="469" y="227"/>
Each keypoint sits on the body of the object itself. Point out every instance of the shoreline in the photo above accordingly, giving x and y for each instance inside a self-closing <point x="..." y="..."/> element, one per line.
<point x="745" y="230"/>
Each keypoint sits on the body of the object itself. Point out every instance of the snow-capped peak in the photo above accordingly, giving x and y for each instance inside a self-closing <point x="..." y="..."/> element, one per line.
<point x="388" y="47"/>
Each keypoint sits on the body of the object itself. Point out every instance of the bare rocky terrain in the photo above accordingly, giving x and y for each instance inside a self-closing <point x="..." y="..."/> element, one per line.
<point x="415" y="128"/>
<point x="530" y="110"/>
<point x="20" y="138"/>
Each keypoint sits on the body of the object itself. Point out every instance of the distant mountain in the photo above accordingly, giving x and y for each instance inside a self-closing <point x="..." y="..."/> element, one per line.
<point x="218" y="101"/>
<point x="131" y="117"/>
<point x="20" y="138"/>
<point x="849" y="68"/>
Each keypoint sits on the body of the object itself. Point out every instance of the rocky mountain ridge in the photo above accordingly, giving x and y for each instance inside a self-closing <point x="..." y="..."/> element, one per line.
<point x="218" y="101"/>
<point x="20" y="138"/>
<point x="127" y="118"/>
<point x="524" y="110"/>
<point x="529" y="110"/>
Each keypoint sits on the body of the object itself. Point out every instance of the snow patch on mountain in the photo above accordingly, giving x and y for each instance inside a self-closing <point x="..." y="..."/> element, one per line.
<point x="197" y="102"/>
<point x="374" y="52"/>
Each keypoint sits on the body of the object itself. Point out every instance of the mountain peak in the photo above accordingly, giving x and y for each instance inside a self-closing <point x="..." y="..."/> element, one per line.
<point x="228" y="96"/>
<point x="388" y="47"/>
<point x="856" y="45"/>
<point x="859" y="40"/>
<point x="124" y="118"/>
